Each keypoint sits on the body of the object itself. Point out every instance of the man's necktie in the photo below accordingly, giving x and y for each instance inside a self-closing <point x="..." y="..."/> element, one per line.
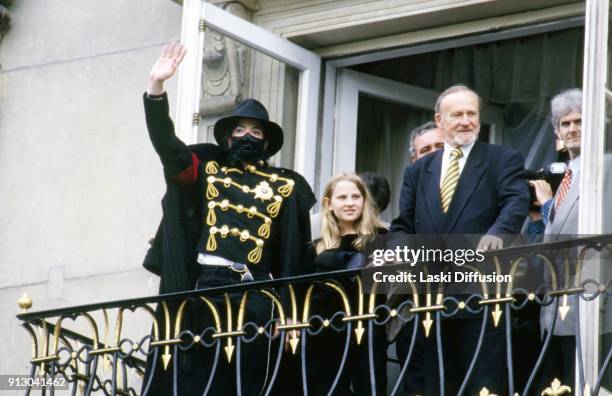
<point x="449" y="184"/>
<point x="563" y="188"/>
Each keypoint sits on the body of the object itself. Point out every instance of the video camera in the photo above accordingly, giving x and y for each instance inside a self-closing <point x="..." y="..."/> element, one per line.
<point x="552" y="174"/>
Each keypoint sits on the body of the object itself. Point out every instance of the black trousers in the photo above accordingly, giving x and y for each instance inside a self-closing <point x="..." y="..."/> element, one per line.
<point x="414" y="377"/>
<point x="195" y="365"/>
<point x="360" y="375"/>
<point x="253" y="357"/>
<point x="559" y="362"/>
<point x="460" y="337"/>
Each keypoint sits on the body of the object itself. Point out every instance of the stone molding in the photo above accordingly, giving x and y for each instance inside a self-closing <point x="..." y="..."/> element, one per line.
<point x="322" y="23"/>
<point x="252" y="5"/>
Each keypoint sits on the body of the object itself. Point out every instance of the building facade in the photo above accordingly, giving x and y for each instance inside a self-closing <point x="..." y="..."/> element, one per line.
<point x="347" y="80"/>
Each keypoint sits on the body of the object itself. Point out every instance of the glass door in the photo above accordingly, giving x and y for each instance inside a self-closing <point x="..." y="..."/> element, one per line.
<point x="374" y="117"/>
<point x="230" y="59"/>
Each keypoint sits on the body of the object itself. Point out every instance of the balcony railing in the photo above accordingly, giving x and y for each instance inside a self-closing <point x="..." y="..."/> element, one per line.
<point x="101" y="358"/>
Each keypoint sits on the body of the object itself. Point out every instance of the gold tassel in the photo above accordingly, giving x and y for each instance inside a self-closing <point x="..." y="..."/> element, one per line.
<point x="211" y="219"/>
<point x="255" y="255"/>
<point x="211" y="191"/>
<point x="264" y="230"/>
<point x="285" y="190"/>
<point x="212" y="167"/>
<point x="211" y="245"/>
<point x="274" y="207"/>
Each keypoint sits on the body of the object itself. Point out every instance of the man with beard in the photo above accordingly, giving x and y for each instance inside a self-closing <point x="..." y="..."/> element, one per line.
<point x="467" y="188"/>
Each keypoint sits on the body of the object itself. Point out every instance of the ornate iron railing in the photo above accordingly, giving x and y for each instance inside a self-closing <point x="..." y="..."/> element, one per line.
<point x="111" y="362"/>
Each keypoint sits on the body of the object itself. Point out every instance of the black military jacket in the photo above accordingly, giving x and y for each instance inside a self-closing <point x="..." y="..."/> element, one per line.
<point x="254" y="214"/>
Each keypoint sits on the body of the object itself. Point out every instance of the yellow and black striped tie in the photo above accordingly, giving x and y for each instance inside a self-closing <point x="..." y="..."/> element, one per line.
<point x="450" y="179"/>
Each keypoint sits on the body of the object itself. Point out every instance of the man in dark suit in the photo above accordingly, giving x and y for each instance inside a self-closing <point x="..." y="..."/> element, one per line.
<point x="469" y="187"/>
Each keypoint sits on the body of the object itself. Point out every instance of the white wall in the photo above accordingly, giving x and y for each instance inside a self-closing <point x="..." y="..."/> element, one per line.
<point x="80" y="185"/>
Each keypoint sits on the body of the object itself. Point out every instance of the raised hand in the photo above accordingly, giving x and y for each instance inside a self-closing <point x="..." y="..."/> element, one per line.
<point x="165" y="67"/>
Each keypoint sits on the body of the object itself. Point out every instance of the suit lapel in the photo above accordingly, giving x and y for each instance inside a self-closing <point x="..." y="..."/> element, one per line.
<point x="470" y="176"/>
<point x="431" y="185"/>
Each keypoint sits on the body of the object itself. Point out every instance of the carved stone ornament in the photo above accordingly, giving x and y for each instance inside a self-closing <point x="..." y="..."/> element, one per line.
<point x="224" y="68"/>
<point x="252" y="5"/>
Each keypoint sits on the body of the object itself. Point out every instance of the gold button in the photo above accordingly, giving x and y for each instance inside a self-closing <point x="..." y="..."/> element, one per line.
<point x="210" y="179"/>
<point x="268" y="220"/>
<point x="245" y="189"/>
<point x="211" y="204"/>
<point x="224" y="204"/>
<point x="252" y="210"/>
<point x="259" y="242"/>
<point x="278" y="198"/>
<point x="235" y="231"/>
<point x="240" y="208"/>
<point x="291" y="182"/>
<point x="273" y="177"/>
<point x="245" y="234"/>
<point x="213" y="230"/>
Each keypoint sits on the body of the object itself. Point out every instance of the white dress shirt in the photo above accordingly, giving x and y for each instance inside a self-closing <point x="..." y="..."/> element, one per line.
<point x="446" y="158"/>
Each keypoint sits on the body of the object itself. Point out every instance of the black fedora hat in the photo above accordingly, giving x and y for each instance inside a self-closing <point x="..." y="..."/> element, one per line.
<point x="250" y="108"/>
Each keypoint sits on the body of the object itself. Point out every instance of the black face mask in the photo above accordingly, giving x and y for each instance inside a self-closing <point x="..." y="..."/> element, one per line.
<point x="247" y="148"/>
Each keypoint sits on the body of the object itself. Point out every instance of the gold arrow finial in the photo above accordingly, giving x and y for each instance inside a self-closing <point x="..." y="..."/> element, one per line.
<point x="564" y="309"/>
<point x="359" y="332"/>
<point x="166" y="359"/>
<point x="25" y="302"/>
<point x="497" y="313"/>
<point x="427" y="322"/>
<point x="294" y="343"/>
<point x="229" y="350"/>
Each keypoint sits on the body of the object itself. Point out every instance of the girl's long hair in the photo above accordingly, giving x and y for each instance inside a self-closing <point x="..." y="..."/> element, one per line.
<point x="367" y="225"/>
